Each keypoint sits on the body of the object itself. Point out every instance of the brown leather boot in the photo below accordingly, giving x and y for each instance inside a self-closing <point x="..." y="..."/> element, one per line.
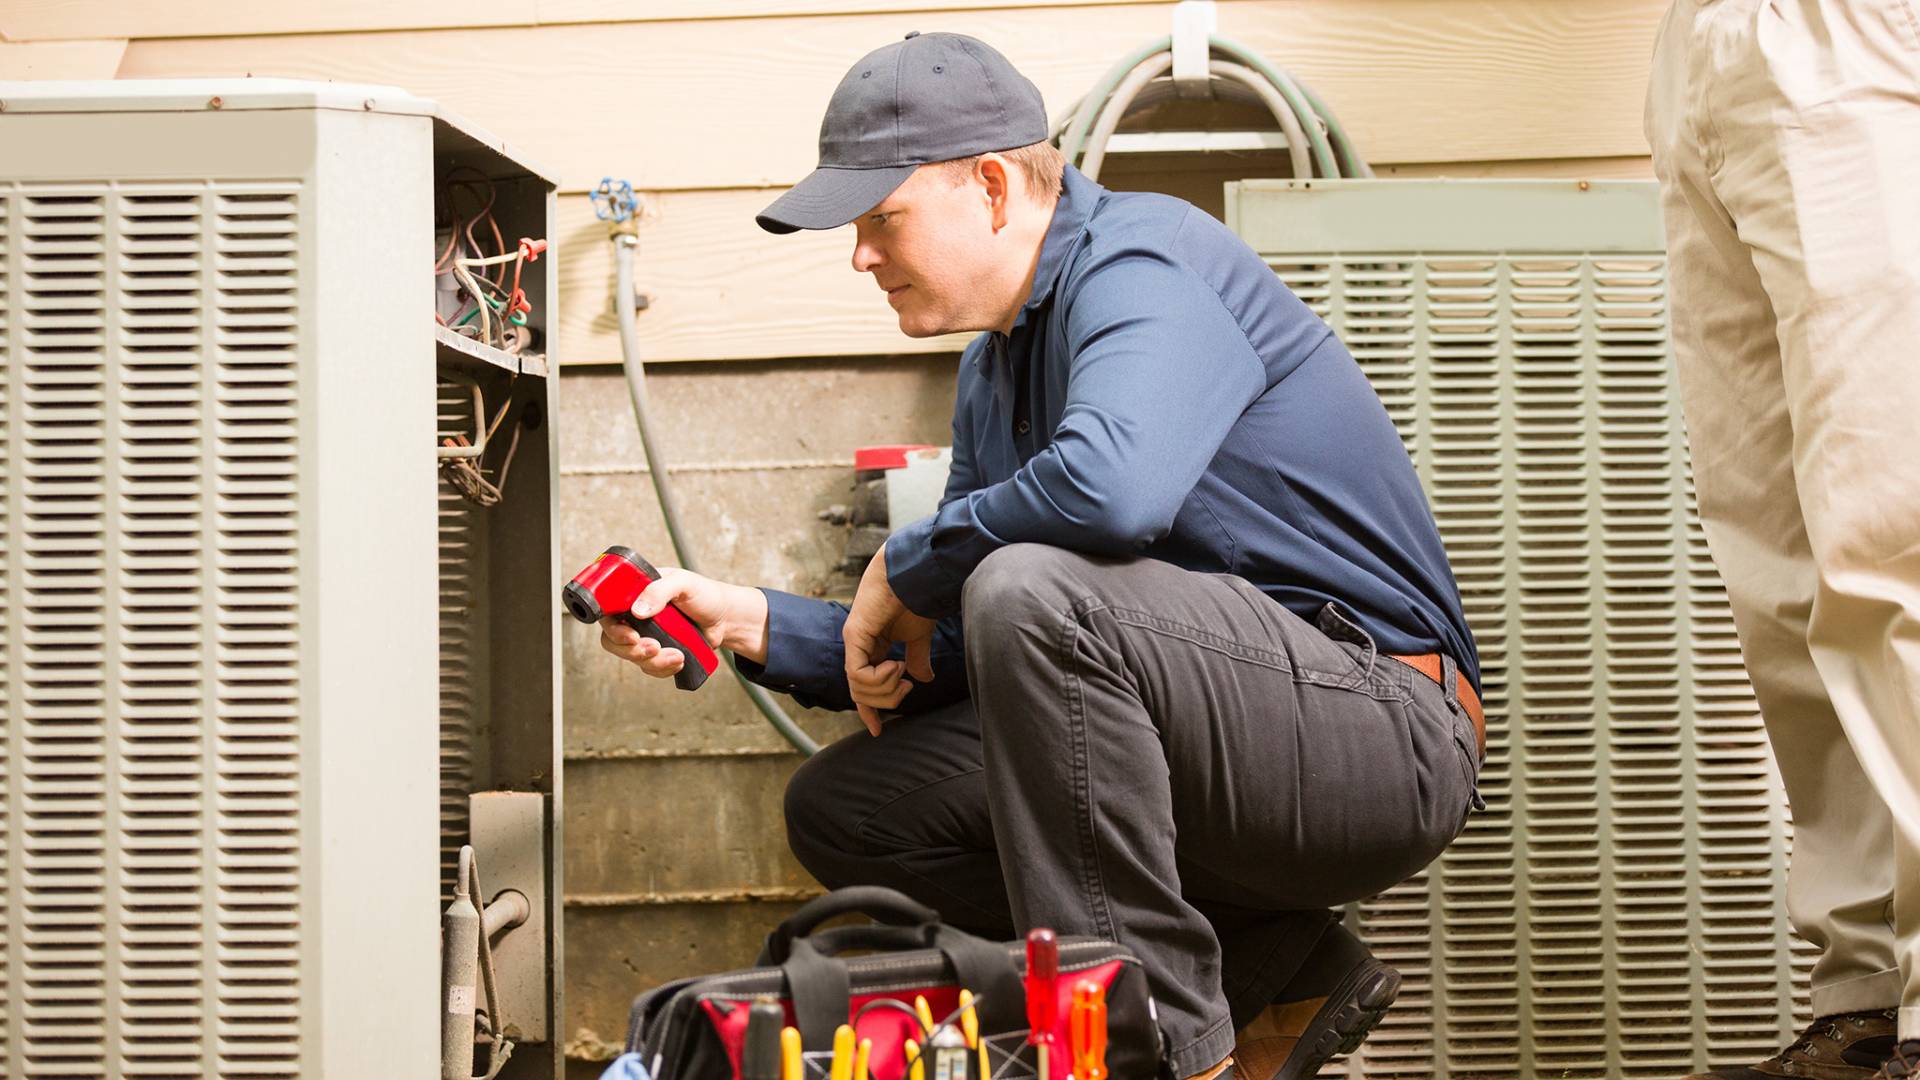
<point x="1291" y="1040"/>
<point x="1847" y="1046"/>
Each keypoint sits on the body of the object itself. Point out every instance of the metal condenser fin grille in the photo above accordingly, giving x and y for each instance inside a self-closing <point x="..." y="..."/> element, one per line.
<point x="147" y="469"/>
<point x="1617" y="910"/>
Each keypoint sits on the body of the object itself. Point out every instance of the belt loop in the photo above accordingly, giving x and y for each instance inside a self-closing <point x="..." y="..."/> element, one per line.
<point x="1335" y="624"/>
<point x="1450" y="686"/>
<point x="1450" y="680"/>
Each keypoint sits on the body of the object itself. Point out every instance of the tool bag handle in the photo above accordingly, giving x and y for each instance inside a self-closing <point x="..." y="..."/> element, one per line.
<point x="819" y="984"/>
<point x="881" y="903"/>
<point x="872" y="937"/>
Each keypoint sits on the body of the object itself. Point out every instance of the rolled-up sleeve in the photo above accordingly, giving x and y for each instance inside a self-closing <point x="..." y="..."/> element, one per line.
<point x="1159" y="372"/>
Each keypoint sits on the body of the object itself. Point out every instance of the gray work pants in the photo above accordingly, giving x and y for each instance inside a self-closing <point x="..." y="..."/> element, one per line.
<point x="1165" y="759"/>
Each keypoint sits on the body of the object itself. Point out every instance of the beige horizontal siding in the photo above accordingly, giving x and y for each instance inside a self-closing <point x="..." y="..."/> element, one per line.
<point x="61" y="59"/>
<point x="712" y="116"/>
<point x="719" y="287"/>
<point x="38" y="20"/>
<point x="699" y="104"/>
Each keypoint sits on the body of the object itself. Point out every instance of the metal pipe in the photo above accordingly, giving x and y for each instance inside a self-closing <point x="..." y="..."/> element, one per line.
<point x="507" y="911"/>
<point x="459" y="959"/>
<point x="496" y="1023"/>
<point x="479" y="424"/>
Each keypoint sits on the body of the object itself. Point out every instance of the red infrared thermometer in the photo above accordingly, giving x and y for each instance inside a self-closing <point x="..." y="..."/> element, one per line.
<point x="609" y="586"/>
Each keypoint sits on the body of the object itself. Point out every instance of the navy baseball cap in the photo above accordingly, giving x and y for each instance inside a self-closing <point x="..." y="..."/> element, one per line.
<point x="932" y="97"/>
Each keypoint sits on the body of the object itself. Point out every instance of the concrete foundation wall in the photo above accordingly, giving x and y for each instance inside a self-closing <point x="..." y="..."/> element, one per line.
<point x="676" y="859"/>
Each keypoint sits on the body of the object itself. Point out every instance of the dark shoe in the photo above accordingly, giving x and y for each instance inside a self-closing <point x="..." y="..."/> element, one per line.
<point x="1294" y="1039"/>
<point x="1847" y="1046"/>
<point x="1903" y="1063"/>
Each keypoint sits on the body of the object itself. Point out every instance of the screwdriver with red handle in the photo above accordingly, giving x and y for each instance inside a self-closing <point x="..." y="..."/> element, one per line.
<point x="1043" y="1003"/>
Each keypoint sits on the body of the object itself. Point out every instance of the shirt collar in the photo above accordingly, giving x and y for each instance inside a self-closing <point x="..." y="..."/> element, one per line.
<point x="1078" y="198"/>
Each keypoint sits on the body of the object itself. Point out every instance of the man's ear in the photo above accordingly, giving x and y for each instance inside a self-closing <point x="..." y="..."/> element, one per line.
<point x="991" y="171"/>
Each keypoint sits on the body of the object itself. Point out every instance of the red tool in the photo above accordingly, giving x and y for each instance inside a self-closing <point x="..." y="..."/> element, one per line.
<point x="1087" y="1030"/>
<point x="610" y="585"/>
<point x="1043" y="1002"/>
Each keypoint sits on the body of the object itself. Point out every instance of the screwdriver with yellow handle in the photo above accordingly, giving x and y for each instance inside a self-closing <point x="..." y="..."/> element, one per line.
<point x="862" y="1058"/>
<point x="925" y="1012"/>
<point x="790" y="1066"/>
<point x="970" y="1026"/>
<point x="841" y="1068"/>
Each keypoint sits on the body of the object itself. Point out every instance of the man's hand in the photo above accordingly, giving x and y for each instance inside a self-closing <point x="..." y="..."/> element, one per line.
<point x="879" y="619"/>
<point x="729" y="616"/>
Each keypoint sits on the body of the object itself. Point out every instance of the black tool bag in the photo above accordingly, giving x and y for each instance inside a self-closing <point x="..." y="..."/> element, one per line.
<point x="694" y="1029"/>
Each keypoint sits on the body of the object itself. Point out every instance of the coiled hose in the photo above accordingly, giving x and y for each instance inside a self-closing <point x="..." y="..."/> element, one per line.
<point x="1316" y="143"/>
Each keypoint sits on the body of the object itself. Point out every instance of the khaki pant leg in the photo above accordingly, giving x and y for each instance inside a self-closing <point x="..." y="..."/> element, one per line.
<point x="1734" y="390"/>
<point x="1819" y="124"/>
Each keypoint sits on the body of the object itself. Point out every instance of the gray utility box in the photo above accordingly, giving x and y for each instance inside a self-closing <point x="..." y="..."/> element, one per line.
<point x="255" y="652"/>
<point x="1618" y="910"/>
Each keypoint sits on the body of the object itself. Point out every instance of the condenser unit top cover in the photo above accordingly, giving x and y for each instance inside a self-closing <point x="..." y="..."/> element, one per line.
<point x="454" y="132"/>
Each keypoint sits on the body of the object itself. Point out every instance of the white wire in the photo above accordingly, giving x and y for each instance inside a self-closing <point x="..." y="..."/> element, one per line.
<point x="486" y="315"/>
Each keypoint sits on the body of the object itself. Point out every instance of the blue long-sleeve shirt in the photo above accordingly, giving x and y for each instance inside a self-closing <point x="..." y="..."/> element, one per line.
<point x="1162" y="394"/>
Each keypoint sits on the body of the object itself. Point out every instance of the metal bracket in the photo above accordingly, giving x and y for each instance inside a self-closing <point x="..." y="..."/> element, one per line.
<point x="509" y="837"/>
<point x="1194" y="21"/>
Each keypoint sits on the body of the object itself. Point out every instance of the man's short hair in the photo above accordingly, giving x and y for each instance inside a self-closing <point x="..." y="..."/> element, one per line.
<point x="1041" y="164"/>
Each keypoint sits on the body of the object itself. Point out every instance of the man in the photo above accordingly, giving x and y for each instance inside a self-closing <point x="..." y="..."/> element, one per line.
<point x="1179" y="662"/>
<point x="1786" y="135"/>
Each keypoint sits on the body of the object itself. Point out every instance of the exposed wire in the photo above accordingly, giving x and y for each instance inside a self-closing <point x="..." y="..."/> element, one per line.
<point x="467" y="475"/>
<point x="481" y="272"/>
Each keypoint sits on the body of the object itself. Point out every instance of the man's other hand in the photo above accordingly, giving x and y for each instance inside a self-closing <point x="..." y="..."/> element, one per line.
<point x="879" y="620"/>
<point x="730" y="617"/>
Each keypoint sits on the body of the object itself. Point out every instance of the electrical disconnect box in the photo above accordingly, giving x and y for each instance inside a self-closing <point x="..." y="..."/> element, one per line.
<point x="278" y="636"/>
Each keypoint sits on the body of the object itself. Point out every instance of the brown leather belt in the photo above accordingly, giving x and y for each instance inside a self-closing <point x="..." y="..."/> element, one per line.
<point x="1429" y="665"/>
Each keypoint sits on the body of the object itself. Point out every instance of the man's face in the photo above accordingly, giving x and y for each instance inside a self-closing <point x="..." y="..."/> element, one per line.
<point x="930" y="246"/>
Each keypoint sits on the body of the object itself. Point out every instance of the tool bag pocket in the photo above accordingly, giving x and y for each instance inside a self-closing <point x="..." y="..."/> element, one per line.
<point x="695" y="1029"/>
